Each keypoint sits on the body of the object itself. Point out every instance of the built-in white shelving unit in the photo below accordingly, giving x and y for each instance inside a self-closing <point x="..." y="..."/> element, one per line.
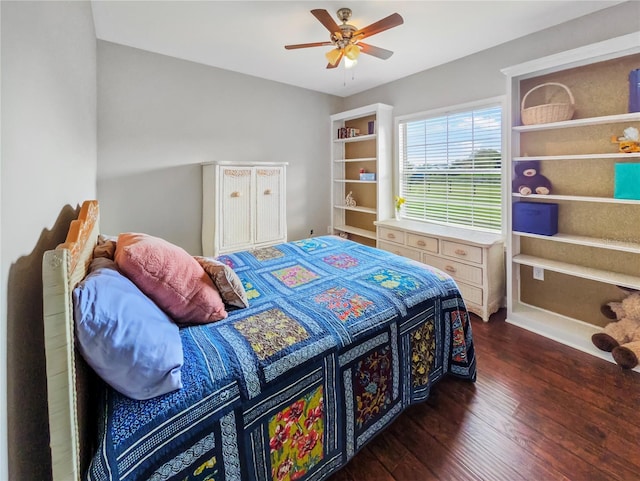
<point x="371" y="153"/>
<point x="555" y="284"/>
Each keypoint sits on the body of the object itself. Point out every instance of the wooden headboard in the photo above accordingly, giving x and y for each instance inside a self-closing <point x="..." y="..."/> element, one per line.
<point x="68" y="377"/>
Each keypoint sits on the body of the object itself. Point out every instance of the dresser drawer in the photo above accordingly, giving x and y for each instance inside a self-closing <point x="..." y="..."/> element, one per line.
<point x="422" y="242"/>
<point x="391" y="235"/>
<point x="400" y="250"/>
<point x="470" y="293"/>
<point x="457" y="270"/>
<point x="475" y="262"/>
<point x="462" y="251"/>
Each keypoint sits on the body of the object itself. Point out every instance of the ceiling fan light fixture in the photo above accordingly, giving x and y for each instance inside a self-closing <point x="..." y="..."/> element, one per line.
<point x="333" y="55"/>
<point x="346" y="38"/>
<point x="348" y="63"/>
<point x="351" y="51"/>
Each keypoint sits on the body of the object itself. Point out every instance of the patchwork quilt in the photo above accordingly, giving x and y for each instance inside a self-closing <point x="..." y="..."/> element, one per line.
<point x="338" y="339"/>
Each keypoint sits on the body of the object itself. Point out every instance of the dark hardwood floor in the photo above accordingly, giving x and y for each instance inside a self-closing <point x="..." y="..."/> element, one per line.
<point x="538" y="411"/>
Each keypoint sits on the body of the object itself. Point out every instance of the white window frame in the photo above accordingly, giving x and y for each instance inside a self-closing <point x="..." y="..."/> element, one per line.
<point x="449" y="110"/>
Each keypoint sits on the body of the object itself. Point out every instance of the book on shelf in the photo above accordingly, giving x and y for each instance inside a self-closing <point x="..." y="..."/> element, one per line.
<point x="347" y="132"/>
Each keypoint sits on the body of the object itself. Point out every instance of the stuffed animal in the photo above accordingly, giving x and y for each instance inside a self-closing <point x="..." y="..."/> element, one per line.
<point x="622" y="336"/>
<point x="629" y="142"/>
<point x="528" y="179"/>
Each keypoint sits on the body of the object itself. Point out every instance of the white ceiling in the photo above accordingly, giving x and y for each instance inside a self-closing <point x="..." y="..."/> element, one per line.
<point x="249" y="36"/>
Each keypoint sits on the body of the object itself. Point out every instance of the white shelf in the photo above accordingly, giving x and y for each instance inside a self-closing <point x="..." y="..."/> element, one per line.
<point x="598" y="275"/>
<point x="356" y="231"/>
<point x="367" y="210"/>
<point x="633" y="247"/>
<point x="363" y="159"/>
<point x="607" y="119"/>
<point x="566" y="330"/>
<point x="350" y="181"/>
<point x="580" y="198"/>
<point x="373" y="151"/>
<point x="359" y="138"/>
<point x="577" y="323"/>
<point x="617" y="155"/>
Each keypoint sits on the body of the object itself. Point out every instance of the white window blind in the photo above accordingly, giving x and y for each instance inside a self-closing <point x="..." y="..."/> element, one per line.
<point x="450" y="167"/>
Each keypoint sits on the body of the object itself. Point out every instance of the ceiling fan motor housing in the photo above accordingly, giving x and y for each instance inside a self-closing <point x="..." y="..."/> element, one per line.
<point x="344" y="14"/>
<point x="344" y="37"/>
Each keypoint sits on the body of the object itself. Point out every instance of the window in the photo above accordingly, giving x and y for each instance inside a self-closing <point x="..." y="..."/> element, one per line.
<point x="450" y="166"/>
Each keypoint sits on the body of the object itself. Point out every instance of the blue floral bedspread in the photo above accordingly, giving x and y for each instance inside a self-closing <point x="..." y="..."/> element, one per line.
<point x="338" y="339"/>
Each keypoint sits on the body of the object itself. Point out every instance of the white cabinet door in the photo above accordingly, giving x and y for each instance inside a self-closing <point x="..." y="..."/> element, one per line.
<point x="243" y="206"/>
<point x="235" y="206"/>
<point x="270" y="208"/>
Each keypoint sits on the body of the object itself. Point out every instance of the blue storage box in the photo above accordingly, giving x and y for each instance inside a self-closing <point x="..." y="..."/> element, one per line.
<point x="367" y="176"/>
<point x="535" y="218"/>
<point x="634" y="90"/>
<point x="627" y="181"/>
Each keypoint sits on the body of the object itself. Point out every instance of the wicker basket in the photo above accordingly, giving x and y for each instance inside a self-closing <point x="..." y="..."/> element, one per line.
<point x="543" y="114"/>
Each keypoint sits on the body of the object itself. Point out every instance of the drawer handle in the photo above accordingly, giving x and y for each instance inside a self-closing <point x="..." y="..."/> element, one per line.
<point x="421" y="243"/>
<point x="235" y="194"/>
<point x="450" y="269"/>
<point x="267" y="192"/>
<point x="391" y="236"/>
<point x="461" y="252"/>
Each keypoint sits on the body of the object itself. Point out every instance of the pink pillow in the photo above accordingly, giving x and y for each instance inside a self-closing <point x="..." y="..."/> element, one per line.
<point x="171" y="277"/>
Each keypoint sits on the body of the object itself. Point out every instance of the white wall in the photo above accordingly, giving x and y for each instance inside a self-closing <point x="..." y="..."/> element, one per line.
<point x="478" y="76"/>
<point x="48" y="167"/>
<point x="160" y="117"/>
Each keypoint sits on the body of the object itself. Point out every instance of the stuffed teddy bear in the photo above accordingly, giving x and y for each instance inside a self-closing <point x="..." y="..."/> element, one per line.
<point x="622" y="337"/>
<point x="528" y="180"/>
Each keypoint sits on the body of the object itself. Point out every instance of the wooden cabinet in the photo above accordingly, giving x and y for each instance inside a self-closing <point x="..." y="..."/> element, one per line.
<point x="244" y="206"/>
<point x="368" y="151"/>
<point x="475" y="259"/>
<point x="556" y="284"/>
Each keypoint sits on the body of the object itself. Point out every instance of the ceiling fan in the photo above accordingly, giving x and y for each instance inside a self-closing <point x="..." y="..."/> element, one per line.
<point x="347" y="39"/>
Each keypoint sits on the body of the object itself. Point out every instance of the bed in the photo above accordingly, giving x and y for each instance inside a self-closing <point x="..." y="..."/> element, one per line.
<point x="338" y="339"/>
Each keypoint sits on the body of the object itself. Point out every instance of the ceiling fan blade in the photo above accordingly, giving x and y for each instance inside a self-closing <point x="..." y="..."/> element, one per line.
<point x="382" y="53"/>
<point x="306" y="45"/>
<point x="334" y="65"/>
<point x="326" y="20"/>
<point x="386" y="23"/>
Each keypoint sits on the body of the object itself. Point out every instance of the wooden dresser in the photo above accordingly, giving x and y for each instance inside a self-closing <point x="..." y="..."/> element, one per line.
<point x="475" y="259"/>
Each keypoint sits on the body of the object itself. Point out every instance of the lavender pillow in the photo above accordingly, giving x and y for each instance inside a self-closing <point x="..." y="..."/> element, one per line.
<point x="124" y="336"/>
